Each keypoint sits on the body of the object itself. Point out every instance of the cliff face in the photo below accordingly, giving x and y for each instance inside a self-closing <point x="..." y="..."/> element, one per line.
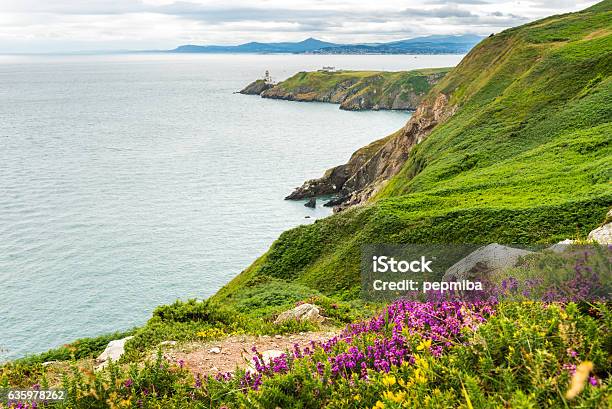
<point x="357" y="90"/>
<point x="368" y="168"/>
<point x="501" y="86"/>
<point x="512" y="146"/>
<point x="391" y="157"/>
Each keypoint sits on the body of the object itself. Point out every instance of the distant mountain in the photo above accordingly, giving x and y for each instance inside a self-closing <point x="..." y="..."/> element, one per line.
<point x="308" y="45"/>
<point x="436" y="44"/>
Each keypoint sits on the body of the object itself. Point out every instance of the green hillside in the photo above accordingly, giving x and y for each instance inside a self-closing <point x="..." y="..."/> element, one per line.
<point x="358" y="90"/>
<point x="525" y="158"/>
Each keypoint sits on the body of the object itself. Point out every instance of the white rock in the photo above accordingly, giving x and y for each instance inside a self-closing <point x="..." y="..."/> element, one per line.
<point x="214" y="350"/>
<point x="490" y="258"/>
<point x="603" y="234"/>
<point x="303" y="312"/>
<point x="561" y="246"/>
<point x="114" y="350"/>
<point x="267" y="356"/>
<point x="167" y="343"/>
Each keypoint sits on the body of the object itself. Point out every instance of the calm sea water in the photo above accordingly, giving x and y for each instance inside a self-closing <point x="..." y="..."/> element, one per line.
<point x="131" y="181"/>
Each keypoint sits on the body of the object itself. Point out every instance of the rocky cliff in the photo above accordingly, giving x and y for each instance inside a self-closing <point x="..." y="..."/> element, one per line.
<point x="355" y="90"/>
<point x="369" y="167"/>
<point x="256" y="87"/>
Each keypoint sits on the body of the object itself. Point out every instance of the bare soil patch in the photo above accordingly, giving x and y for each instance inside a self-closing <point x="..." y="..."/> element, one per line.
<point x="225" y="355"/>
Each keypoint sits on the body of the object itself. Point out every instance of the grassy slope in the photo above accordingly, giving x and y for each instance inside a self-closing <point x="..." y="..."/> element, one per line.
<point x="526" y="158"/>
<point x="377" y="87"/>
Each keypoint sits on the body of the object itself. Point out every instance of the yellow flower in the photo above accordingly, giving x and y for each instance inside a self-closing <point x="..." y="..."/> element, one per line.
<point x="388" y="380"/>
<point x="379" y="405"/>
<point x="421" y="362"/>
<point x="357" y="398"/>
<point x="395" y="397"/>
<point x="424" y="345"/>
<point x="419" y="377"/>
<point x="211" y="333"/>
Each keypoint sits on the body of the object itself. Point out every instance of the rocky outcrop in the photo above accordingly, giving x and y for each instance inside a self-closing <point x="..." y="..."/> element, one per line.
<point x="603" y="234"/>
<point x="561" y="246"/>
<point x="312" y="202"/>
<point x="303" y="312"/>
<point x="114" y="350"/>
<point x="354" y="90"/>
<point x="600" y="235"/>
<point x="256" y="87"/>
<point x="367" y="170"/>
<point x="334" y="179"/>
<point x="487" y="259"/>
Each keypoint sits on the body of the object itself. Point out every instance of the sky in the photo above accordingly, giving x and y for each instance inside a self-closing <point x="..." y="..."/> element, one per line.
<point x="33" y="26"/>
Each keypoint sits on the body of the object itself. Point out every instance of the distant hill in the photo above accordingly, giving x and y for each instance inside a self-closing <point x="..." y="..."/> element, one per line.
<point x="437" y="44"/>
<point x="310" y="44"/>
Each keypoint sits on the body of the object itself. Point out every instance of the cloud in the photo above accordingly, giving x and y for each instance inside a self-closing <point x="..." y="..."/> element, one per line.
<point x="440" y="12"/>
<point x="457" y="2"/>
<point x="36" y="25"/>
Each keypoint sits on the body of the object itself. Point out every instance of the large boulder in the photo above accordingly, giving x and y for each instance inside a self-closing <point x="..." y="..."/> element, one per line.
<point x="561" y="246"/>
<point x="114" y="350"/>
<point x="303" y="312"/>
<point x="603" y="234"/>
<point x="487" y="259"/>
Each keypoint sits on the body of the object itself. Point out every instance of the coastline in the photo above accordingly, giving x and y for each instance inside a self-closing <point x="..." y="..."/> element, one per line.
<point x="353" y="90"/>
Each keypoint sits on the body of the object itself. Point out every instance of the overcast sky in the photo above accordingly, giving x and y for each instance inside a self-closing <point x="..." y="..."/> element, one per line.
<point x="79" y="25"/>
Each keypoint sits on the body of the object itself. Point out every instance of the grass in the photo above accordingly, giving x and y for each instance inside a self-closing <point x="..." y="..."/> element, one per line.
<point x="526" y="158"/>
<point x="362" y="89"/>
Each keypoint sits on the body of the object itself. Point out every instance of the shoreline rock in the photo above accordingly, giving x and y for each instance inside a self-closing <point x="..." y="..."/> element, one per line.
<point x="256" y="87"/>
<point x="312" y="202"/>
<point x="371" y="166"/>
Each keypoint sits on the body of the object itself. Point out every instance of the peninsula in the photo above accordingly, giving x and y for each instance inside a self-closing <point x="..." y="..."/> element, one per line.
<point x="353" y="90"/>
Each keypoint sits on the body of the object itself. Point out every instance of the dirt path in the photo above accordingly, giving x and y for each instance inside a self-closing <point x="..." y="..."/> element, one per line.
<point x="235" y="351"/>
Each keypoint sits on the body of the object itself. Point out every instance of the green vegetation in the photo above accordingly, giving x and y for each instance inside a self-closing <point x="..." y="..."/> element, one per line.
<point x="523" y="356"/>
<point x="79" y="349"/>
<point x="356" y="90"/>
<point x="525" y="158"/>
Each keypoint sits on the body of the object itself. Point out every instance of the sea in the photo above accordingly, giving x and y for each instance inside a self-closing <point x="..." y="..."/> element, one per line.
<point x="128" y="181"/>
